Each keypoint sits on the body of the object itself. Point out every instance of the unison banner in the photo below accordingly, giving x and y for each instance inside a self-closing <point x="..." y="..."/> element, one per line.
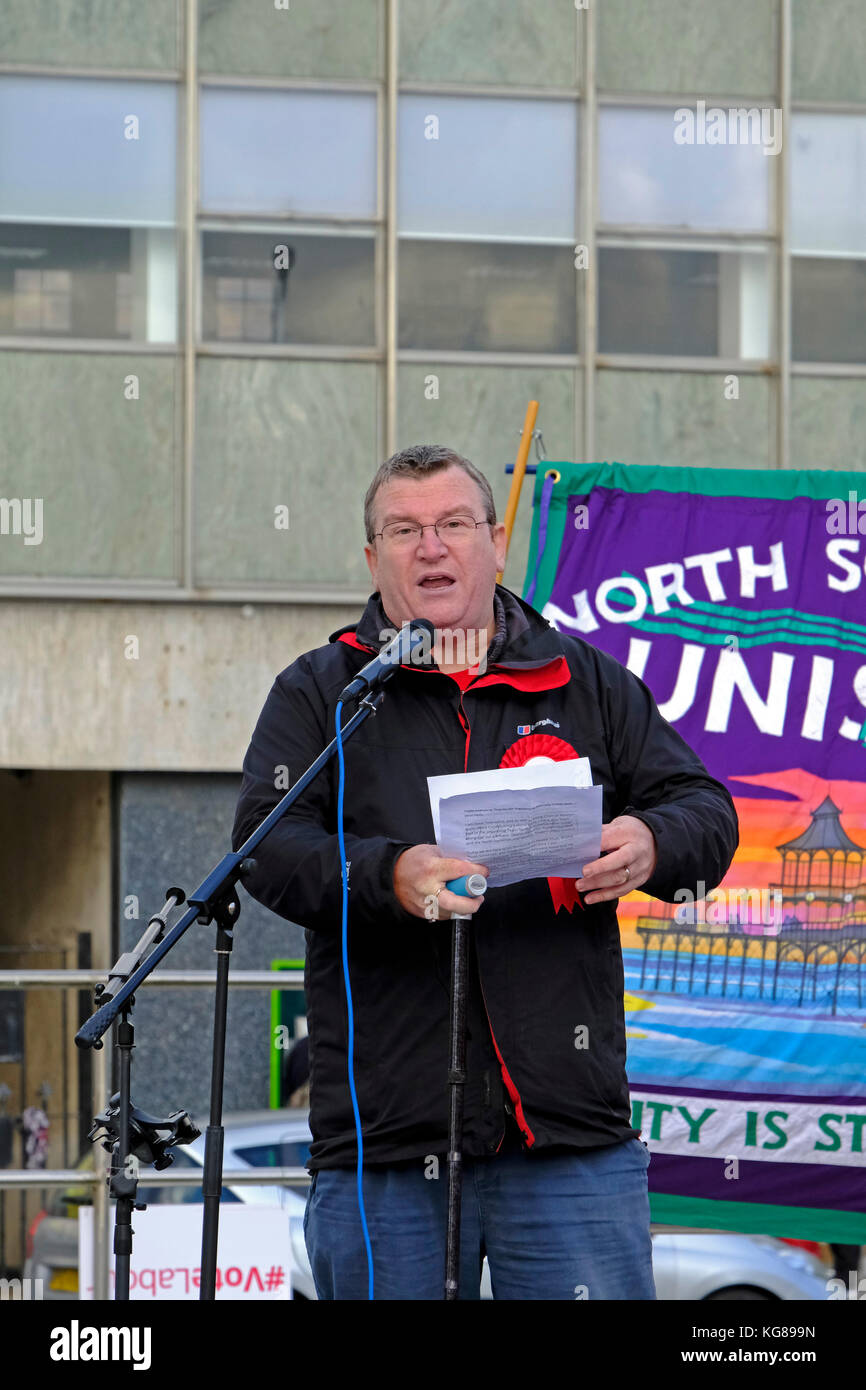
<point x="739" y="597"/>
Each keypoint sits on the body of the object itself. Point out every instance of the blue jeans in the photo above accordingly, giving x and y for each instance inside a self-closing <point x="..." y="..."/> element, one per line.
<point x="558" y="1226"/>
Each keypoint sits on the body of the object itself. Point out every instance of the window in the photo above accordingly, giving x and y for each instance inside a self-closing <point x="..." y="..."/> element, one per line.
<point x="87" y="208"/>
<point x="288" y="287"/>
<point x="648" y="179"/>
<point x="87" y="150"/>
<point x="828" y="184"/>
<point x="307" y="159"/>
<point x="828" y="237"/>
<point x="87" y="282"/>
<point x="828" y="309"/>
<point x="487" y="228"/>
<point x="670" y="301"/>
<point x="297" y="154"/>
<point x="481" y="297"/>
<point x="705" y="288"/>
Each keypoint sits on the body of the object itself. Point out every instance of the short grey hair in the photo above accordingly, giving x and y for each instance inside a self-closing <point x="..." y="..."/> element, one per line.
<point x="418" y="461"/>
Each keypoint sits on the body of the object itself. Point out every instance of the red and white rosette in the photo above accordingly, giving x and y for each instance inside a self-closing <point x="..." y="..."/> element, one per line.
<point x="545" y="748"/>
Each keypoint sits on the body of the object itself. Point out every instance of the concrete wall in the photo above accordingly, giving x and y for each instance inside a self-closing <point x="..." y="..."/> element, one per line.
<point x="71" y="697"/>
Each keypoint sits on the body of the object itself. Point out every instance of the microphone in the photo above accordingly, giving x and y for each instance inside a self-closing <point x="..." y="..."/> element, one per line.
<point x="409" y="640"/>
<point x="469" y="886"/>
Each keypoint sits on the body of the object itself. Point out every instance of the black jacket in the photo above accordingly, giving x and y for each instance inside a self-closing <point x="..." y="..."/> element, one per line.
<point x="538" y="974"/>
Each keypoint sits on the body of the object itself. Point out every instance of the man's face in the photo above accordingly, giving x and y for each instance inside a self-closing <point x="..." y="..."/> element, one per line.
<point x="449" y="583"/>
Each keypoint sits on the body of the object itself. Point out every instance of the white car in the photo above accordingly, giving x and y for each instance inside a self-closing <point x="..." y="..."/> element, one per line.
<point x="719" y="1265"/>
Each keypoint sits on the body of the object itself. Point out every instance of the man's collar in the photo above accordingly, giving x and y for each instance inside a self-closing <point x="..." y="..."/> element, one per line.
<point x="523" y="638"/>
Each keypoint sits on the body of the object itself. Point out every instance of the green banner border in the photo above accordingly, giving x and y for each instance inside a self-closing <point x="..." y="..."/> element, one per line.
<point x="759" y="1218"/>
<point x="581" y="478"/>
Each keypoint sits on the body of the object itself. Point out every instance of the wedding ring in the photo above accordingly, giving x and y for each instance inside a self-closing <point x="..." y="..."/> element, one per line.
<point x="627" y="874"/>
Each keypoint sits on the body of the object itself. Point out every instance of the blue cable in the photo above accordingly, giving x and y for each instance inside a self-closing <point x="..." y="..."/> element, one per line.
<point x="345" y="873"/>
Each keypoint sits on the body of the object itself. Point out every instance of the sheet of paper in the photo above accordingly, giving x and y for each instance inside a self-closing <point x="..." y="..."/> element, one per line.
<point x="544" y="826"/>
<point x="572" y="772"/>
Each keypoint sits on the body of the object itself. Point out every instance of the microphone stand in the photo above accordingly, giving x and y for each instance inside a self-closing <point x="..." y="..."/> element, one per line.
<point x="215" y="899"/>
<point x="472" y="885"/>
<point x="457" y="1083"/>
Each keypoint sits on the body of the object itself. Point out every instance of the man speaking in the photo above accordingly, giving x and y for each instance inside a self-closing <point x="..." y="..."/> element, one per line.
<point x="555" y="1186"/>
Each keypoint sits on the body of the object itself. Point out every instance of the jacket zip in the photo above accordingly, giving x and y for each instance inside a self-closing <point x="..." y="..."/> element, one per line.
<point x="506" y="1075"/>
<point x="510" y="1087"/>
<point x="467" y="729"/>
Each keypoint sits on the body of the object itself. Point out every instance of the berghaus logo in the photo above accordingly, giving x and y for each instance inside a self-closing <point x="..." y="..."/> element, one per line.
<point x="528" y="728"/>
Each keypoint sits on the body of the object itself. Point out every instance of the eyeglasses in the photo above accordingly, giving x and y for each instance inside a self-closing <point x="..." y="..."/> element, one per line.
<point x="450" y="529"/>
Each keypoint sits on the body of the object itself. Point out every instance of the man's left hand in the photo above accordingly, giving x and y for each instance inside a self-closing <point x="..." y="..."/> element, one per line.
<point x="627" y="844"/>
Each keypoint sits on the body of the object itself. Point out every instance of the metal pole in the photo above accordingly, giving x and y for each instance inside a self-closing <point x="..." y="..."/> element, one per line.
<point x="457" y="1082"/>
<point x="519" y="472"/>
<point x="588" y="219"/>
<point x="391" y="100"/>
<point x="783" y="270"/>
<point x="125" y="1202"/>
<point x="101" y="1205"/>
<point x="190" y="262"/>
<point x="226" y="913"/>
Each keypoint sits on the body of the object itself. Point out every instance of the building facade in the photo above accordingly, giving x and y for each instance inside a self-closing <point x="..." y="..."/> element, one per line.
<point x="247" y="249"/>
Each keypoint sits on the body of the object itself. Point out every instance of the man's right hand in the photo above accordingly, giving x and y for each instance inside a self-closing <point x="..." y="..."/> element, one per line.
<point x="420" y="871"/>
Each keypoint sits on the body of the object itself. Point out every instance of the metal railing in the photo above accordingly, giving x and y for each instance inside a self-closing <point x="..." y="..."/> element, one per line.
<point x="17" y="1178"/>
<point x="82" y="979"/>
<point x="22" y="1179"/>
